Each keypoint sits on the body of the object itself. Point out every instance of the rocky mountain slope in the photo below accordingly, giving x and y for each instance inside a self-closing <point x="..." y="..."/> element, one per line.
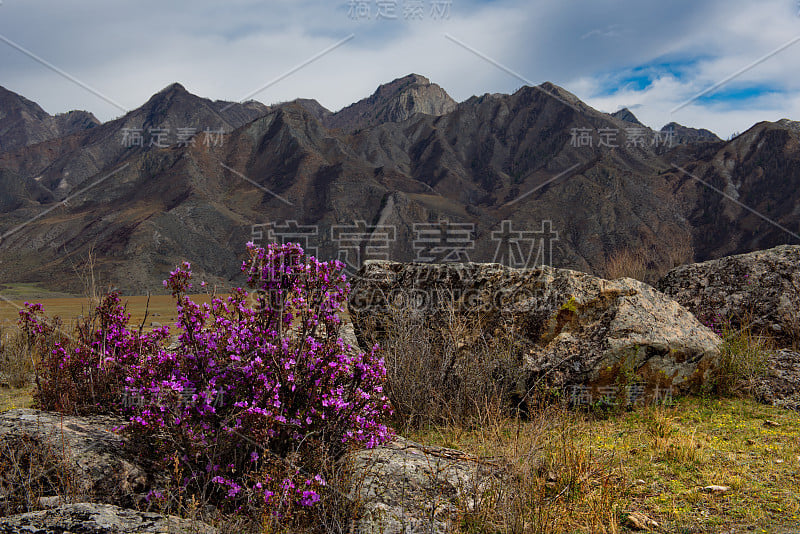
<point x="24" y="123"/>
<point x="373" y="178"/>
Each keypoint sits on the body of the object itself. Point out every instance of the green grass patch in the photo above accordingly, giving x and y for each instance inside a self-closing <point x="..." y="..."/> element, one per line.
<point x="11" y="398"/>
<point x="652" y="460"/>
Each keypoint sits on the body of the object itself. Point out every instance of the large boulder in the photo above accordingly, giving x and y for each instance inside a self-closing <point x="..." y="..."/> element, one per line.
<point x="407" y="488"/>
<point x="81" y="458"/>
<point x="571" y="328"/>
<point x="760" y="289"/>
<point x="88" y="518"/>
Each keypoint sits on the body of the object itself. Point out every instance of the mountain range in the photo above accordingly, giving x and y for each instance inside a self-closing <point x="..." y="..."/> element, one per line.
<point x="406" y="173"/>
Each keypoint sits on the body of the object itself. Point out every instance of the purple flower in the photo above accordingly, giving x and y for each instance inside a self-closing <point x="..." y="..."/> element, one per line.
<point x="243" y="371"/>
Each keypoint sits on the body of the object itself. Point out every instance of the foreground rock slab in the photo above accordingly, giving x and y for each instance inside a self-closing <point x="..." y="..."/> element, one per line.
<point x="759" y="289"/>
<point x="77" y="457"/>
<point x="407" y="488"/>
<point x="570" y="327"/>
<point x="85" y="518"/>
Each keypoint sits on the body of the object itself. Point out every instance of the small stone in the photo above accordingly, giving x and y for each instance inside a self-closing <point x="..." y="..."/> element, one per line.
<point x="639" y="482"/>
<point x="716" y="489"/>
<point x="639" y="521"/>
<point x="771" y="423"/>
<point x="50" y="502"/>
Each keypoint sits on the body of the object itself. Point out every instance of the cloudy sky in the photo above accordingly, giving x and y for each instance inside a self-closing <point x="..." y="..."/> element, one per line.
<point x="651" y="56"/>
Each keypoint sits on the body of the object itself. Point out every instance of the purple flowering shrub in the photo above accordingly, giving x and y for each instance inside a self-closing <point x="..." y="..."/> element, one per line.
<point x="83" y="372"/>
<point x="257" y="395"/>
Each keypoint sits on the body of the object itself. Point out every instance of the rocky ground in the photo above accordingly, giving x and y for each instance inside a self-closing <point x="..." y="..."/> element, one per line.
<point x="576" y="330"/>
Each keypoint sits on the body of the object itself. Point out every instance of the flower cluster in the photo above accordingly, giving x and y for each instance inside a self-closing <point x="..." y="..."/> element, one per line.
<point x="84" y="372"/>
<point x="715" y="321"/>
<point x="294" y="395"/>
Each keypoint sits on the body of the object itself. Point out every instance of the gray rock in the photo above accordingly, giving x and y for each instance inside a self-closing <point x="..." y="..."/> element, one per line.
<point x="760" y="289"/>
<point x="348" y="335"/>
<point x="53" y="501"/>
<point x="82" y="453"/>
<point x="572" y="328"/>
<point x="407" y="488"/>
<point x="87" y="518"/>
<point x="778" y="386"/>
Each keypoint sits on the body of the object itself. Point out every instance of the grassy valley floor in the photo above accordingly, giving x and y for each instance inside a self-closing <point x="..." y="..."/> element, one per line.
<point x="160" y="308"/>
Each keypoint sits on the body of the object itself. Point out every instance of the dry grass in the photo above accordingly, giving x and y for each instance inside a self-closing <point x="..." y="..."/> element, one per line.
<point x="11" y="398"/>
<point x="16" y="362"/>
<point x="627" y="263"/>
<point x="31" y="470"/>
<point x="743" y="360"/>
<point x="568" y="472"/>
<point x="446" y="371"/>
<point x="648" y="265"/>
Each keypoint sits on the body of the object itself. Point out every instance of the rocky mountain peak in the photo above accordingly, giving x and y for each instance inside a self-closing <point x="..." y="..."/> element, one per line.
<point x="626" y="115"/>
<point x="176" y="107"/>
<point x="560" y="92"/>
<point x="395" y="101"/>
<point x="317" y="110"/>
<point x="174" y="88"/>
<point x="401" y="83"/>
<point x="170" y="93"/>
<point x="790" y="124"/>
<point x="24" y="123"/>
<point x="685" y="135"/>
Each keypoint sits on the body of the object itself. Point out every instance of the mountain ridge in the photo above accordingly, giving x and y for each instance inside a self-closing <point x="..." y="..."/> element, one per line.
<point x="24" y="123"/>
<point x="487" y="160"/>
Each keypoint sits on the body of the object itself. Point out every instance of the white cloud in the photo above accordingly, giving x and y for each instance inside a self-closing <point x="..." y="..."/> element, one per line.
<point x="226" y="50"/>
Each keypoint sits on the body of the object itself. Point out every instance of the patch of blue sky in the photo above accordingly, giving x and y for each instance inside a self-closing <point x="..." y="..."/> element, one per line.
<point x="641" y="77"/>
<point x="735" y="95"/>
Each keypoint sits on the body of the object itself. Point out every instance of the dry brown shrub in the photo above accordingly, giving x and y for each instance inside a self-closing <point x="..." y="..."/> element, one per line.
<point x="448" y="370"/>
<point x="16" y="362"/>
<point x="30" y="469"/>
<point x="626" y="263"/>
